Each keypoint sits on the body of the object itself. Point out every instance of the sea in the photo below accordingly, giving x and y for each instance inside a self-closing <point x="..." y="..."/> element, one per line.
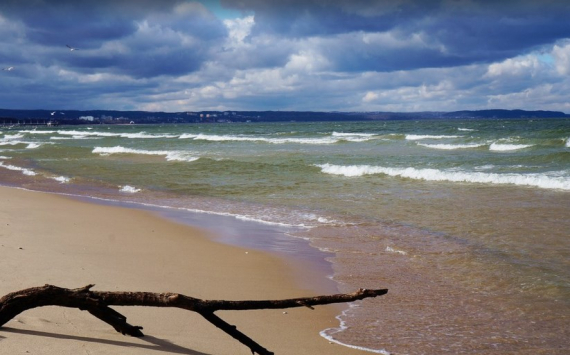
<point x="466" y="222"/>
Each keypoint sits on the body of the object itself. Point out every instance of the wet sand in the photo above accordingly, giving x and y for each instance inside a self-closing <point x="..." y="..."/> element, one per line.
<point x="52" y="239"/>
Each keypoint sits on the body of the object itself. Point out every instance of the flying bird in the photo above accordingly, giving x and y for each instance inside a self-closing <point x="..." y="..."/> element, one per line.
<point x="8" y="68"/>
<point x="71" y="48"/>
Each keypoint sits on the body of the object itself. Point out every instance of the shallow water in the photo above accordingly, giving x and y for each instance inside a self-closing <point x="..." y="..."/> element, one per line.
<point x="465" y="222"/>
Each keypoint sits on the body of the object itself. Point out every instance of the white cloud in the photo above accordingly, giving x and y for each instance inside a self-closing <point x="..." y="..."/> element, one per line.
<point x="239" y="29"/>
<point x="524" y="65"/>
<point x="561" y="55"/>
<point x="370" y="96"/>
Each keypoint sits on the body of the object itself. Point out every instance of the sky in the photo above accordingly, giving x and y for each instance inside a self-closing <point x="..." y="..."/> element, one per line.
<point x="288" y="55"/>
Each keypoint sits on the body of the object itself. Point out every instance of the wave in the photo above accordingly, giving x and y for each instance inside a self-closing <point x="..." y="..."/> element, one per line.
<point x="498" y="147"/>
<point x="328" y="334"/>
<point x="13" y="143"/>
<point x="141" y="135"/>
<point x="61" y="179"/>
<point x="13" y="136"/>
<point x="17" y="168"/>
<point x="466" y="129"/>
<point x="170" y="155"/>
<point x="568" y="143"/>
<point x="37" y="132"/>
<point x="551" y="180"/>
<point x="451" y="146"/>
<point x="414" y="137"/>
<point x="33" y="146"/>
<point x="129" y="189"/>
<point x="341" y="134"/>
<point x="229" y="138"/>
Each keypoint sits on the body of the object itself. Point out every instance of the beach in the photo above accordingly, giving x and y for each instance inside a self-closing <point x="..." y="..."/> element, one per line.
<point x="52" y="239"/>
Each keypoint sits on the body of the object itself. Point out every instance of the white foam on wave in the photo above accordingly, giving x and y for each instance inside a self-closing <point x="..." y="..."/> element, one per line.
<point x="17" y="168"/>
<point x="568" y="143"/>
<point x="13" y="136"/>
<point x="230" y="138"/>
<point x="33" y="146"/>
<point x="37" y="132"/>
<point x="551" y="180"/>
<point x="5" y="157"/>
<point x="498" y="147"/>
<point x="129" y="189"/>
<point x="451" y="146"/>
<point x="329" y="332"/>
<point x="61" y="179"/>
<point x="389" y="249"/>
<point x="342" y="134"/>
<point x="138" y="135"/>
<point x="466" y="129"/>
<point x="169" y="155"/>
<point x="415" y="137"/>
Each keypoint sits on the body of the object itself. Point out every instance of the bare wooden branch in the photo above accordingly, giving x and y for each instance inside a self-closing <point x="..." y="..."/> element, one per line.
<point x="97" y="303"/>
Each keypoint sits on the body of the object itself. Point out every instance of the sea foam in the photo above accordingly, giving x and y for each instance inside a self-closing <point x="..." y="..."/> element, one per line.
<point x="551" y="180"/>
<point x="451" y="146"/>
<point x="414" y="137"/>
<point x="17" y="168"/>
<point x="169" y="155"/>
<point x="129" y="189"/>
<point x="230" y="138"/>
<point x="328" y="334"/>
<point x="508" y="147"/>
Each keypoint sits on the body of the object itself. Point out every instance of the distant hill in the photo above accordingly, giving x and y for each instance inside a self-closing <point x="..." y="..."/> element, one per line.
<point x="125" y="117"/>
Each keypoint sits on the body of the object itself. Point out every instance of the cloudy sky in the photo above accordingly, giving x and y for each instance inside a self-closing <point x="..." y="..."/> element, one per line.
<point x="306" y="55"/>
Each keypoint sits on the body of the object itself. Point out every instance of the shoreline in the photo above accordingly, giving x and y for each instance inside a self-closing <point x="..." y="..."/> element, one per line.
<point x="58" y="240"/>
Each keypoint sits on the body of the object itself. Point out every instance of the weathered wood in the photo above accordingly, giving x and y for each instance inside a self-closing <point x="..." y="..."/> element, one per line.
<point x="97" y="303"/>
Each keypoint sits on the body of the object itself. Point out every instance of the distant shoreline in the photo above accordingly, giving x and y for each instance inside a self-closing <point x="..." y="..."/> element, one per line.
<point x="76" y="117"/>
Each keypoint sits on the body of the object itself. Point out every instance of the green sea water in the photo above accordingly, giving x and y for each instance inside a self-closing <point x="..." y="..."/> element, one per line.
<point x="465" y="221"/>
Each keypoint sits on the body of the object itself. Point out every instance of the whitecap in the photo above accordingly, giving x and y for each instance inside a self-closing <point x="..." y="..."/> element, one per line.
<point x="61" y="179"/>
<point x="550" y="180"/>
<point x="389" y="249"/>
<point x="414" y="137"/>
<point x="17" y="168"/>
<point x="451" y="146"/>
<point x="169" y="155"/>
<point x="229" y="138"/>
<point x="33" y="146"/>
<point x="13" y="136"/>
<point x="123" y="150"/>
<point x="129" y="189"/>
<point x="466" y="129"/>
<point x="497" y="147"/>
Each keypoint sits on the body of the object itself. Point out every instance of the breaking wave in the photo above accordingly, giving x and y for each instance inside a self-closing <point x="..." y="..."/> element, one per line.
<point x="451" y="146"/>
<point x="415" y="137"/>
<point x="17" y="168"/>
<point x="552" y="180"/>
<point x="170" y="155"/>
<point x="129" y="189"/>
<point x="498" y="147"/>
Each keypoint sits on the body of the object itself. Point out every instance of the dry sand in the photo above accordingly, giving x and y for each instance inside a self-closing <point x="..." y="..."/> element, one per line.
<point x="51" y="239"/>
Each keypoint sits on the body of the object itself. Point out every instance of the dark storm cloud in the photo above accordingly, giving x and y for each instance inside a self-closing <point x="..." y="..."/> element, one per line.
<point x="454" y="32"/>
<point x="139" y="38"/>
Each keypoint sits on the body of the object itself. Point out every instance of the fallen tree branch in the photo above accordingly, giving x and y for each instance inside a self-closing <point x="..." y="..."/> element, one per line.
<point x="97" y="303"/>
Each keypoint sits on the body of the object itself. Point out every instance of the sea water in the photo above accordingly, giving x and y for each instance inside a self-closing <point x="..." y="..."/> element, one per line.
<point x="464" y="221"/>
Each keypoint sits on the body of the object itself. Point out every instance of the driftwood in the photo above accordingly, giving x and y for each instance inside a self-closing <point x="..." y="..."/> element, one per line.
<point x="97" y="303"/>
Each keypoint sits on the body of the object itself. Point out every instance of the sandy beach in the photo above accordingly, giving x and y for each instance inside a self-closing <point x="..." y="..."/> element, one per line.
<point x="52" y="239"/>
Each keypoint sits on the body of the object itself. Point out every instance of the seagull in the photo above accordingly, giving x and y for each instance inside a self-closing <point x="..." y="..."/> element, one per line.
<point x="8" y="68"/>
<point x="71" y="48"/>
